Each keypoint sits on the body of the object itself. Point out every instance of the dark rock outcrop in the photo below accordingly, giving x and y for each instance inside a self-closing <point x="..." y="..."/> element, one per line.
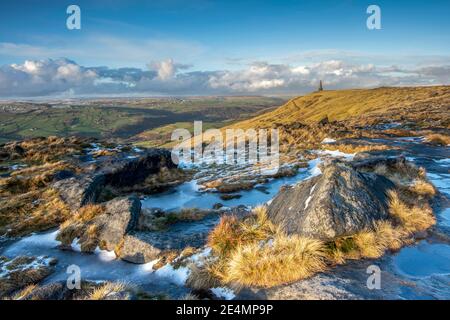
<point x="128" y="172"/>
<point x="339" y="202"/>
<point x="81" y="190"/>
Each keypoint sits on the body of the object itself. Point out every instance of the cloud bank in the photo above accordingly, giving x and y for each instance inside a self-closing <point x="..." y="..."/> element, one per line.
<point x="61" y="77"/>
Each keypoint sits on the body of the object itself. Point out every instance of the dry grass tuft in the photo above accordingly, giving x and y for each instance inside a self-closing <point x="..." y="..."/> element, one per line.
<point x="367" y="244"/>
<point x="78" y="226"/>
<point x="231" y="232"/>
<point x="202" y="277"/>
<point x="355" y="148"/>
<point x="24" y="292"/>
<point x="33" y="211"/>
<point x="32" y="178"/>
<point x="423" y="188"/>
<point x="438" y="139"/>
<point x="256" y="252"/>
<point x="411" y="218"/>
<point x="106" y="290"/>
<point x="189" y="296"/>
<point x="282" y="260"/>
<point x="389" y="236"/>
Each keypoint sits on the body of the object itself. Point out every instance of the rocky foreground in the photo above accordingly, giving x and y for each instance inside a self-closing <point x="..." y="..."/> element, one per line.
<point x="346" y="210"/>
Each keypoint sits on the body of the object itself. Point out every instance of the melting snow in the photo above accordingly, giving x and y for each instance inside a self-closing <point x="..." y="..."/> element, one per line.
<point x="307" y="202"/>
<point x="225" y="293"/>
<point x="444" y="161"/>
<point x="337" y="154"/>
<point x="328" y="140"/>
<point x="176" y="276"/>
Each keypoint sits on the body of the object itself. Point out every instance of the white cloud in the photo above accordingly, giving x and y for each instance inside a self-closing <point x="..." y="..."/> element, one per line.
<point x="166" y="77"/>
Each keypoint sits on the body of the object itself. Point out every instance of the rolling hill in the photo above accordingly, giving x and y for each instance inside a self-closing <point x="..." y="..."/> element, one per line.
<point x="421" y="105"/>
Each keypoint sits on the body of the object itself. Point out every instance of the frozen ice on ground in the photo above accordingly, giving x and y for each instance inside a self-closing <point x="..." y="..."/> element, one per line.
<point x="105" y="255"/>
<point x="222" y="292"/>
<point x="328" y="140"/>
<point x="307" y="202"/>
<point x="176" y="276"/>
<point x="314" y="169"/>
<point x="443" y="161"/>
<point x="337" y="154"/>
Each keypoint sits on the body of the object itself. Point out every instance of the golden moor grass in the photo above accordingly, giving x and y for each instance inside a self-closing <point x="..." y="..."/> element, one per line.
<point x="353" y="148"/>
<point x="105" y="290"/>
<point x="367" y="244"/>
<point x="225" y="236"/>
<point x="202" y="277"/>
<point x="32" y="178"/>
<point x="78" y="225"/>
<point x="24" y="292"/>
<point x="255" y="252"/>
<point x="438" y="139"/>
<point x="231" y="232"/>
<point x="423" y="188"/>
<point x="411" y="218"/>
<point x="282" y="260"/>
<point x="32" y="212"/>
<point x="390" y="236"/>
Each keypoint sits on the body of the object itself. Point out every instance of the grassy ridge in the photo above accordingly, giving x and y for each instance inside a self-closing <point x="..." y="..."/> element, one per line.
<point x="418" y="104"/>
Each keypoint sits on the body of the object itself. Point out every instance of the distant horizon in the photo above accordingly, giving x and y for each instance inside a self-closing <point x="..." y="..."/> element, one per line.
<point x="187" y="96"/>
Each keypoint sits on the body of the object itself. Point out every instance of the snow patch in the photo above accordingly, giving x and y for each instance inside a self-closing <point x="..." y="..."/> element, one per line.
<point x="224" y="293"/>
<point x="337" y="154"/>
<point x="443" y="161"/>
<point x="314" y="169"/>
<point x="176" y="276"/>
<point x="328" y="140"/>
<point x="307" y="202"/>
<point x="105" y="255"/>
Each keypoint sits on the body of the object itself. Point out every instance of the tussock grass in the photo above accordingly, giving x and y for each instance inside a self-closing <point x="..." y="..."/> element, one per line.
<point x="282" y="260"/>
<point x="51" y="149"/>
<point x="256" y="252"/>
<point x="32" y="178"/>
<point x="390" y="236"/>
<point x="423" y="188"/>
<point x="189" y="296"/>
<point x="402" y="175"/>
<point x="231" y="232"/>
<point x="24" y="292"/>
<point x="202" y="277"/>
<point x="33" y="211"/>
<point x="107" y="290"/>
<point x="103" y="153"/>
<point x="78" y="226"/>
<point x="438" y="139"/>
<point x="354" y="148"/>
<point x="412" y="218"/>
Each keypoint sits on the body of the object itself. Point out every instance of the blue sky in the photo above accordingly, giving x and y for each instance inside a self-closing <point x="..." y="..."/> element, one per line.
<point x="220" y="42"/>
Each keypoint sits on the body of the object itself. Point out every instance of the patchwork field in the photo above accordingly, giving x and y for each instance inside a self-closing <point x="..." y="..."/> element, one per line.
<point x="125" y="119"/>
